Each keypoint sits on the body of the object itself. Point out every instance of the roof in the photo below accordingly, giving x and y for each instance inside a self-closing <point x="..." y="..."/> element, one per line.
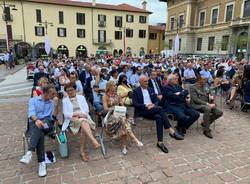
<point x="120" y="7"/>
<point x="157" y="28"/>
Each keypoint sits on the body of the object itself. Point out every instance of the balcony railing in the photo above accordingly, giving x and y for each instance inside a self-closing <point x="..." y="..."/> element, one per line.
<point x="240" y="21"/>
<point x="98" y="42"/>
<point x="10" y="19"/>
<point x="102" y="24"/>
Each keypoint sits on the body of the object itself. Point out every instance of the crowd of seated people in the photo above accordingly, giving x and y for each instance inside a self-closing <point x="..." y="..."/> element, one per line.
<point x="150" y="88"/>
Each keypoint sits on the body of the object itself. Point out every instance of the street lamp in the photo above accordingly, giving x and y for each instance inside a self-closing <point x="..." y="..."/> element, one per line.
<point x="46" y="24"/>
<point x="4" y="6"/>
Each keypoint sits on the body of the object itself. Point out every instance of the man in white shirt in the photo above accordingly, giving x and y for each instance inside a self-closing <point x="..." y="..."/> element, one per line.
<point x="145" y="103"/>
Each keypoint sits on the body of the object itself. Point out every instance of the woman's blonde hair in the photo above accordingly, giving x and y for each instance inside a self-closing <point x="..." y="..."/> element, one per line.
<point x="109" y="86"/>
<point x="43" y="80"/>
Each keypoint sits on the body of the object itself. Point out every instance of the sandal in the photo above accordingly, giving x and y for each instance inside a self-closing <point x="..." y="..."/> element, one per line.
<point x="84" y="157"/>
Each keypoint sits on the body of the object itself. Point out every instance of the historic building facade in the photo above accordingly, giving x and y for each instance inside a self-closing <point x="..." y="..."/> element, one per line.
<point x="73" y="28"/>
<point x="210" y="27"/>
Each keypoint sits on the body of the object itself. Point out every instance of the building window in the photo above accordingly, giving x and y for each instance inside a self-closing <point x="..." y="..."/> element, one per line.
<point x="80" y="18"/>
<point x="152" y="36"/>
<point x="181" y="21"/>
<point x="39" y="31"/>
<point x="210" y="43"/>
<point x="102" y="20"/>
<point x="142" y="33"/>
<point x="246" y="9"/>
<point x="172" y="23"/>
<point x="7" y="16"/>
<point x="118" y="21"/>
<point x="224" y="43"/>
<point x="143" y="19"/>
<point x="101" y="36"/>
<point x="61" y="19"/>
<point x="81" y="33"/>
<point x="214" y="16"/>
<point x="170" y="44"/>
<point x="229" y="12"/>
<point x="199" y="44"/>
<point x="202" y="18"/>
<point x="61" y="32"/>
<point x="179" y="44"/>
<point x="118" y="35"/>
<point x="129" y="33"/>
<point x="38" y="15"/>
<point x="130" y="18"/>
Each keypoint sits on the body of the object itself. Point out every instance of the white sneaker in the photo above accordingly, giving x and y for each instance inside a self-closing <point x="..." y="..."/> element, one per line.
<point x="26" y="158"/>
<point x="42" y="169"/>
<point x="124" y="151"/>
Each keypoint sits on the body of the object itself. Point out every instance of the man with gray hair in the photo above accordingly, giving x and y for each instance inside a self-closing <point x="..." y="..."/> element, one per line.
<point x="145" y="103"/>
<point x="176" y="104"/>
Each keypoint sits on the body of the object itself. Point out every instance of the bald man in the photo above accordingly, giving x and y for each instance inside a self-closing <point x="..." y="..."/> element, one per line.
<point x="145" y="103"/>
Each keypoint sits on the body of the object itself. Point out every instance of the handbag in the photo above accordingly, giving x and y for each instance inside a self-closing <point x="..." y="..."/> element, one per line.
<point x="112" y="124"/>
<point x="120" y="111"/>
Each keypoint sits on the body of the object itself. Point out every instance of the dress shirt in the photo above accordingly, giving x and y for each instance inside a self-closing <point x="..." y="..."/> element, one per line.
<point x="207" y="75"/>
<point x="146" y="97"/>
<point x="134" y="79"/>
<point x="102" y="86"/>
<point x="189" y="73"/>
<point x="40" y="108"/>
<point x="156" y="87"/>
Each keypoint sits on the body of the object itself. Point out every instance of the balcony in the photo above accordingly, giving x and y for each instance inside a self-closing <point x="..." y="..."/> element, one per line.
<point x="102" y="24"/>
<point x="237" y="22"/>
<point x="8" y="19"/>
<point x="97" y="42"/>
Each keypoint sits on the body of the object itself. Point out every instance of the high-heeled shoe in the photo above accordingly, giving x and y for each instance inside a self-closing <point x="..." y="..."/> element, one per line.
<point x="84" y="157"/>
<point x="140" y="144"/>
<point x="96" y="146"/>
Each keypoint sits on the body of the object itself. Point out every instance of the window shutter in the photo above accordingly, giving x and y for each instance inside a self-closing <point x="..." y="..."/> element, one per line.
<point x="99" y="32"/>
<point x="65" y="31"/>
<point x="43" y="31"/>
<point x="98" y="17"/>
<point x="35" y="30"/>
<point x="83" y="18"/>
<point x="58" y="32"/>
<point x="105" y="18"/>
<point x="104" y="36"/>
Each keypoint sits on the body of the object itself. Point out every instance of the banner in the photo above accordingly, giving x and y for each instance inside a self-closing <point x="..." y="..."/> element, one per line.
<point x="47" y="45"/>
<point x="176" y="45"/>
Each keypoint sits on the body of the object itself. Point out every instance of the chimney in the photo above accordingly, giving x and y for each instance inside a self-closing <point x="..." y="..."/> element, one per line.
<point x="93" y="3"/>
<point x="144" y="5"/>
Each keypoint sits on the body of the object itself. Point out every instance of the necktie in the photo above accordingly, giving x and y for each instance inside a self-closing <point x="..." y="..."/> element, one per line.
<point x="157" y="87"/>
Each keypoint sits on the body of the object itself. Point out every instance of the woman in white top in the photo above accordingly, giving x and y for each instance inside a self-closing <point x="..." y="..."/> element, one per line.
<point x="63" y="79"/>
<point x="77" y="119"/>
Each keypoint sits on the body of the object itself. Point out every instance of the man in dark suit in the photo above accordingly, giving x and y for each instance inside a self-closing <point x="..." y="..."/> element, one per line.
<point x="200" y="102"/>
<point x="176" y="104"/>
<point x="86" y="78"/>
<point x="39" y="75"/>
<point x="145" y="103"/>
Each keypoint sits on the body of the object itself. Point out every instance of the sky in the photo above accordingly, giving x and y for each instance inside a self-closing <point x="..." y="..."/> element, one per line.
<point x="158" y="9"/>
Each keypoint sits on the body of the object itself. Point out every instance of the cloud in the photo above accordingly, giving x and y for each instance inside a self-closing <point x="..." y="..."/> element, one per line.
<point x="158" y="9"/>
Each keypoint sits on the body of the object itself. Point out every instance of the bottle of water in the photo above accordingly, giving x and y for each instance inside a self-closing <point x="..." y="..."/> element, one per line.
<point x="61" y="137"/>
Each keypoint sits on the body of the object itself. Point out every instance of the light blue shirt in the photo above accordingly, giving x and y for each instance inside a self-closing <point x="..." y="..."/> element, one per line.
<point x="102" y="85"/>
<point x="134" y="80"/>
<point x="206" y="74"/>
<point x="40" y="108"/>
<point x="189" y="73"/>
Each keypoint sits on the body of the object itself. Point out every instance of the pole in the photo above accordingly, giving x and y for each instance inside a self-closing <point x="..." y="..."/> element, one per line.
<point x="6" y="25"/>
<point x="124" y="41"/>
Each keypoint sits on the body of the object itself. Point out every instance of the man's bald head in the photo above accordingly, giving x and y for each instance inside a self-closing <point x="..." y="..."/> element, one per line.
<point x="143" y="81"/>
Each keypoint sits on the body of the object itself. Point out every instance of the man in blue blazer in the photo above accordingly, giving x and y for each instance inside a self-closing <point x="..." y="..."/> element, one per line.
<point x="145" y="102"/>
<point x="177" y="103"/>
<point x="86" y="77"/>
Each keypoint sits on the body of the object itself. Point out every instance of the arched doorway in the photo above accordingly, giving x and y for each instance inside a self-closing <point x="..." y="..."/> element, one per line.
<point x="115" y="53"/>
<point x="23" y="49"/>
<point x="142" y="51"/>
<point x="40" y="50"/>
<point x="120" y="52"/>
<point x="62" y="49"/>
<point x="242" y="41"/>
<point x="81" y="51"/>
<point x="129" y="51"/>
<point x="101" y="51"/>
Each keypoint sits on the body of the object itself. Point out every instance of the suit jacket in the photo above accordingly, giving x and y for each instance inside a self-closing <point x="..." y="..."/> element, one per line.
<point x="138" y="101"/>
<point x="173" y="99"/>
<point x="150" y="84"/>
<point x="86" y="82"/>
<point x="247" y="91"/>
<point x="199" y="98"/>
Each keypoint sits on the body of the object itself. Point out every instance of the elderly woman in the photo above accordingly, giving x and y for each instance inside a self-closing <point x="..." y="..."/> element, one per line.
<point x="77" y="119"/>
<point x="110" y="100"/>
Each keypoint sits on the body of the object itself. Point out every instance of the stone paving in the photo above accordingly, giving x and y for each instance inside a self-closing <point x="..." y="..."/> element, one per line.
<point x="196" y="160"/>
<point x="4" y="72"/>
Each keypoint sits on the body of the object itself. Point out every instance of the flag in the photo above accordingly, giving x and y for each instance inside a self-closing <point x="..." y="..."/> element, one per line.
<point x="47" y="45"/>
<point x="176" y="45"/>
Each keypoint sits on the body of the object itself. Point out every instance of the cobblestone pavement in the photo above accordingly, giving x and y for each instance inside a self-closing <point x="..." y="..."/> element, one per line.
<point x="4" y="72"/>
<point x="196" y="160"/>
